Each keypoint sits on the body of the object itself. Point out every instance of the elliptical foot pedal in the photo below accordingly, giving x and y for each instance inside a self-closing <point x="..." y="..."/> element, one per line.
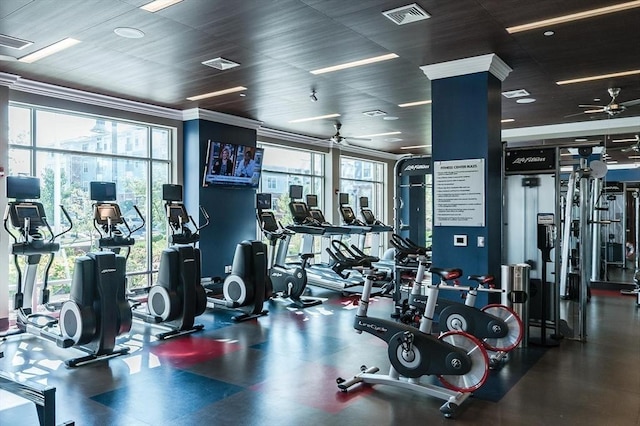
<point x="178" y="333"/>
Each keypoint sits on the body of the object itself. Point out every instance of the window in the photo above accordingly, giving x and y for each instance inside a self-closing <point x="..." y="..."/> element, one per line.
<point x="360" y="178"/>
<point x="284" y="166"/>
<point x="67" y="151"/>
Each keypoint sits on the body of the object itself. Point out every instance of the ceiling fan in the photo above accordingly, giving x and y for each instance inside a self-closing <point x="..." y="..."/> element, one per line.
<point x="633" y="148"/>
<point x="342" y="140"/>
<point x="613" y="108"/>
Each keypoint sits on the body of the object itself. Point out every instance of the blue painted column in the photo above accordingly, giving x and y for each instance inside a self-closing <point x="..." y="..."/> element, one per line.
<point x="466" y="125"/>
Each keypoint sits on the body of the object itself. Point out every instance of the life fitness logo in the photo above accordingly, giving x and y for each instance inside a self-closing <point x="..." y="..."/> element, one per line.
<point x="527" y="160"/>
<point x="417" y="167"/>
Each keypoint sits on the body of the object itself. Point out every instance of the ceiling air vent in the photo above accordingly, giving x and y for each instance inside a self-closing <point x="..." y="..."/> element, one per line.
<point x="407" y="14"/>
<point x="13" y="43"/>
<point x="374" y="113"/>
<point x="515" y="93"/>
<point x="220" y="64"/>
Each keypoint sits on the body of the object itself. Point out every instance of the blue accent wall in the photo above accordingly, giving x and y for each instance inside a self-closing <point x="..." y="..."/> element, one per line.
<point x="466" y="116"/>
<point x="231" y="210"/>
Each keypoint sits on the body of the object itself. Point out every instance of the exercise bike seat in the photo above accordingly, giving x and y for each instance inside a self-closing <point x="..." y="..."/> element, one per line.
<point x="446" y="273"/>
<point x="482" y="279"/>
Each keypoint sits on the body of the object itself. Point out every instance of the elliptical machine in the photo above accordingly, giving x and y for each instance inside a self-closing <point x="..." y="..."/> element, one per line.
<point x="97" y="311"/>
<point x="177" y="297"/>
<point x="246" y="288"/>
<point x="288" y="280"/>
<point x="456" y="358"/>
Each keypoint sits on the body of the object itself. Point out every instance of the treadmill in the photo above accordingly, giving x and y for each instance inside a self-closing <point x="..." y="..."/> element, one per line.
<point x="309" y="223"/>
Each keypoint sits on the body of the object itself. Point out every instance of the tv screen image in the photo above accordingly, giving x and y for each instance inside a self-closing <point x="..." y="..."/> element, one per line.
<point x="233" y="165"/>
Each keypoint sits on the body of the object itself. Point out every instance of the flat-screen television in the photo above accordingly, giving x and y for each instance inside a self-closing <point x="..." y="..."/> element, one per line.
<point x="343" y="198"/>
<point x="23" y="187"/>
<point x="102" y="191"/>
<point x="232" y="165"/>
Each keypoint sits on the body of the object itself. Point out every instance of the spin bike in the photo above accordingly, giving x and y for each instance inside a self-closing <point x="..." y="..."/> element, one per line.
<point x="177" y="297"/>
<point x="96" y="312"/>
<point x="456" y="358"/>
<point x="498" y="327"/>
<point x="289" y="280"/>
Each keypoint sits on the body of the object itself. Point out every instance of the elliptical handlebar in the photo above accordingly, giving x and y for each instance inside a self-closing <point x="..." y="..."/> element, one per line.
<point x="206" y="218"/>
<point x="66" y="214"/>
<point x="5" y="220"/>
<point x="141" y="218"/>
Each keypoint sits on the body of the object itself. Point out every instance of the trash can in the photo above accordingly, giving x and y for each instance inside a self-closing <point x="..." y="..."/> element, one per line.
<point x="515" y="280"/>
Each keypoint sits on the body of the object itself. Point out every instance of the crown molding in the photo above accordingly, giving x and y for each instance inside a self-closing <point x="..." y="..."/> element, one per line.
<point x="15" y="82"/>
<point x="219" y="117"/>
<point x="489" y="62"/>
<point x="610" y="126"/>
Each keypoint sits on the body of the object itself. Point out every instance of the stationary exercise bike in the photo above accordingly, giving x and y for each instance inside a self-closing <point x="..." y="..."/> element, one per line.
<point x="288" y="280"/>
<point x="177" y="297"/>
<point x="457" y="359"/>
<point x="498" y="327"/>
<point x="96" y="312"/>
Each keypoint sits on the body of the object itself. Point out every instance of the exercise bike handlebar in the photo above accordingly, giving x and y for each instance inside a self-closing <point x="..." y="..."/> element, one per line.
<point x="469" y="288"/>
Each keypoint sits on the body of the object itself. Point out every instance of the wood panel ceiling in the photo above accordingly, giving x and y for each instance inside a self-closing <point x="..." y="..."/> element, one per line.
<point x="278" y="42"/>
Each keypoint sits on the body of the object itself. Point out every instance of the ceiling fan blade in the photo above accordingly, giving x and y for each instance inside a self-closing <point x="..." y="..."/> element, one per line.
<point x="633" y="102"/>
<point x="356" y="139"/>
<point x="574" y="115"/>
<point x="590" y="106"/>
<point x="593" y="111"/>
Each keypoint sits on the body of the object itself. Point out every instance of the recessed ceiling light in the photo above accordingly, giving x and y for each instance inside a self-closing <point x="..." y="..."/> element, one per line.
<point x="390" y="117"/>
<point x="218" y="93"/>
<point x="574" y="16"/>
<point x="128" y="32"/>
<point x="393" y="139"/>
<point x="410" y="104"/>
<point x="634" y="157"/>
<point x="548" y="33"/>
<point x="414" y="147"/>
<point x="580" y="139"/>
<point x="157" y="5"/>
<point x="624" y="140"/>
<point x="507" y="120"/>
<point x="355" y="63"/>
<point x="49" y="50"/>
<point x="525" y="100"/>
<point x="319" y="117"/>
<point x="596" y="99"/>
<point x="599" y="77"/>
<point x="243" y="95"/>
<point x="378" y="134"/>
